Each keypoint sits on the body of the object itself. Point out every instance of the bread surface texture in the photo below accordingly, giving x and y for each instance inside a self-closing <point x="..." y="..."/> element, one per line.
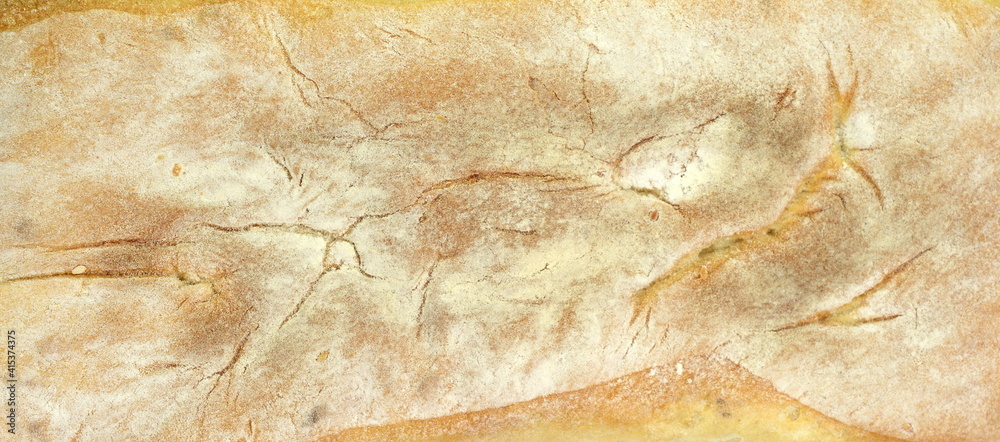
<point x="506" y="220"/>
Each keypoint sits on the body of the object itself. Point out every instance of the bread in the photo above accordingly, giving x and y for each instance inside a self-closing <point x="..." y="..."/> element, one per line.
<point x="513" y="220"/>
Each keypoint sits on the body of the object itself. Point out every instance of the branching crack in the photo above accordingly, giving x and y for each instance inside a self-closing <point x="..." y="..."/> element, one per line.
<point x="868" y="179"/>
<point x="803" y="204"/>
<point x="327" y="268"/>
<point x="282" y="162"/>
<point x="376" y="132"/>
<point x="286" y="55"/>
<point x="849" y="313"/>
<point x="291" y="65"/>
<point x="843" y="103"/>
<point x="328" y="237"/>
<point x="237" y="354"/>
<point x="697" y="129"/>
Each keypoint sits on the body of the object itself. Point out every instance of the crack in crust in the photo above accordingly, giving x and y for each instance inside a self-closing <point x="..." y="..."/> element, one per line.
<point x="697" y="129"/>
<point x="423" y="296"/>
<point x="849" y="313"/>
<point x="46" y="248"/>
<point x="374" y="132"/>
<point x="219" y="374"/>
<point x="842" y="105"/>
<point x="803" y="204"/>
<point x="184" y="278"/>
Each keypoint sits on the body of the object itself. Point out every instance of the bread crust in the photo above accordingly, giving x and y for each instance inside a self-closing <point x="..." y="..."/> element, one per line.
<point x="269" y="219"/>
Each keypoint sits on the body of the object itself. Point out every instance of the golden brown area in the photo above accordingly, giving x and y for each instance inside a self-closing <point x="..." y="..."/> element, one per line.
<point x="697" y="398"/>
<point x="15" y="14"/>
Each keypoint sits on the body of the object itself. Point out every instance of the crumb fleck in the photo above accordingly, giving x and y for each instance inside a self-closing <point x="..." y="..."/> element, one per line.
<point x="177" y="169"/>
<point x="79" y="270"/>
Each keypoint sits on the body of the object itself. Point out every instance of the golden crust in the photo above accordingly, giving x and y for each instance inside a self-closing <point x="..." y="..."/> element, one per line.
<point x="693" y="398"/>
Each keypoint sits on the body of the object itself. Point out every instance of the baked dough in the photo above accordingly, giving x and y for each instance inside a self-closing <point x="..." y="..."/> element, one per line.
<point x="511" y="220"/>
